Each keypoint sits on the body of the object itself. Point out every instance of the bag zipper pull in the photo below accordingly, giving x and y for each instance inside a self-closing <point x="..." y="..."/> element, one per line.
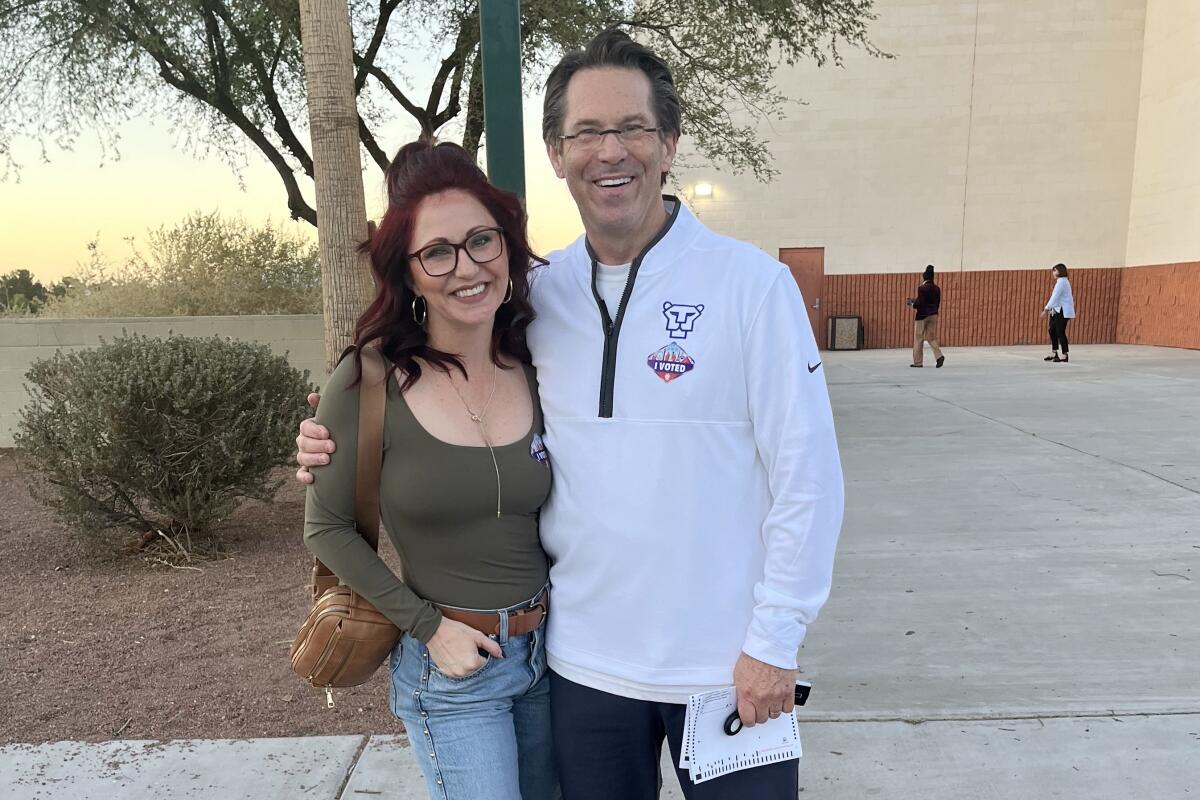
<point x="328" y="697"/>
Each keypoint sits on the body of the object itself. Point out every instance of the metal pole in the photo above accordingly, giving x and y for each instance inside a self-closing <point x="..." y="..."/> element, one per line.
<point x="500" y="46"/>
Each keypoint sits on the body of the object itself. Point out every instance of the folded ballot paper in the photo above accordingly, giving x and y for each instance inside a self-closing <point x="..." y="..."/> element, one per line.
<point x="708" y="752"/>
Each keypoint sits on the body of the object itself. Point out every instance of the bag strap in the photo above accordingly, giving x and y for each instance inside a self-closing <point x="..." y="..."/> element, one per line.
<point x="372" y="400"/>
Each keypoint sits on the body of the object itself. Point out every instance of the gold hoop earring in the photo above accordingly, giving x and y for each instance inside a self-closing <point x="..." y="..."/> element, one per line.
<point x="424" y="310"/>
<point x="508" y="294"/>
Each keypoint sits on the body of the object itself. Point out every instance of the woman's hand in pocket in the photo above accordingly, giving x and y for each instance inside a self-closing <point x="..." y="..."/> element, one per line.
<point x="455" y="648"/>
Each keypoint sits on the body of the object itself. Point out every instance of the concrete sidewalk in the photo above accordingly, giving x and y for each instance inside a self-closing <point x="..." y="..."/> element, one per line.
<point x="1014" y="612"/>
<point x="1107" y="757"/>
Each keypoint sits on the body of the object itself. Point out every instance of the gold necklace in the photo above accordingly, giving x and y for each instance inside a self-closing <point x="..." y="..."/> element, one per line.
<point x="481" y="420"/>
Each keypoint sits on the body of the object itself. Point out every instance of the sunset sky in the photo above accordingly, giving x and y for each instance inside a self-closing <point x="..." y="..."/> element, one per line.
<point x="58" y="206"/>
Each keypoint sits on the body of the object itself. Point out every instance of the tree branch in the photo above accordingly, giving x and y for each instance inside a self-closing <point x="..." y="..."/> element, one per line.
<point x="159" y="52"/>
<point x="184" y="80"/>
<point x="281" y="124"/>
<point x="368" y="139"/>
<point x="449" y="64"/>
<point x="395" y="91"/>
<point x="473" y="132"/>
<point x="386" y="7"/>
<point x="19" y="7"/>
<point x="454" y="106"/>
<point x="14" y="76"/>
<point x="276" y="58"/>
<point x="298" y="206"/>
<point x="218" y="61"/>
<point x="452" y="65"/>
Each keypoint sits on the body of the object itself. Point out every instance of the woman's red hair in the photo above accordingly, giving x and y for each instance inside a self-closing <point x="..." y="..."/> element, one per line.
<point x="419" y="170"/>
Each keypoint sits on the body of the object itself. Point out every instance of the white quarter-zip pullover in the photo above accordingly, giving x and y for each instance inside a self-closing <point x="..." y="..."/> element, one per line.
<point x="697" y="487"/>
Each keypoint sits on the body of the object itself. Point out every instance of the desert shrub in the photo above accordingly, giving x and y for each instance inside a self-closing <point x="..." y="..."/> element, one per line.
<point x="160" y="437"/>
<point x="204" y="265"/>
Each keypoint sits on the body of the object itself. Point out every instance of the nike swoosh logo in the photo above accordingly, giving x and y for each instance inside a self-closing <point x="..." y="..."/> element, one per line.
<point x="813" y="367"/>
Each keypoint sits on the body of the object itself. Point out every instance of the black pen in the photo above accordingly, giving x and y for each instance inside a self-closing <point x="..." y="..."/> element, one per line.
<point x="733" y="723"/>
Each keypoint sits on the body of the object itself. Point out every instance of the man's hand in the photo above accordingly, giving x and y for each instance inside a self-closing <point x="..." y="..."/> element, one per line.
<point x="1042" y="314"/>
<point x="763" y="691"/>
<point x="313" y="445"/>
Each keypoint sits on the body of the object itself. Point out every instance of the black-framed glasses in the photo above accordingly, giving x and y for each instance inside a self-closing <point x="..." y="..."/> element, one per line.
<point x="482" y="246"/>
<point x="628" y="135"/>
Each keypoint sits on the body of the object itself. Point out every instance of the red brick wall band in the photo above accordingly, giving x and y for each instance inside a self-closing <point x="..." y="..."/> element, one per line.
<point x="1160" y="305"/>
<point x="1143" y="305"/>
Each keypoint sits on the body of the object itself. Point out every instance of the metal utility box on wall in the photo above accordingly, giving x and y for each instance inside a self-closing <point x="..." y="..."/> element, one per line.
<point x="845" y="333"/>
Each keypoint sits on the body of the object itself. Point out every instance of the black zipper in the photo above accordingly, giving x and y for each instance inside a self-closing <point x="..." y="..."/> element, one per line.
<point x="612" y="328"/>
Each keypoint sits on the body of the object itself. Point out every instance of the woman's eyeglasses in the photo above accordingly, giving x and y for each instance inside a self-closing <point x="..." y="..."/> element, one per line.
<point x="440" y="259"/>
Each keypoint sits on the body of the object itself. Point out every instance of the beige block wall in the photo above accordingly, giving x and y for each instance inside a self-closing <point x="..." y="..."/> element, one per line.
<point x="1002" y="136"/>
<point x="23" y="341"/>
<point x="1164" y="217"/>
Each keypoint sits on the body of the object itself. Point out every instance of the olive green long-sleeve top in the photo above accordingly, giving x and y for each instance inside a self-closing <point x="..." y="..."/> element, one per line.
<point x="438" y="504"/>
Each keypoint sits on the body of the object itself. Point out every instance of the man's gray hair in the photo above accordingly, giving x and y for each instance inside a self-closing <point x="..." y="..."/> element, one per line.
<point x="611" y="48"/>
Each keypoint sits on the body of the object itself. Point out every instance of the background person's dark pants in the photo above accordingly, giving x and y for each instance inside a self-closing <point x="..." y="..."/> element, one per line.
<point x="1058" y="333"/>
<point x="608" y="747"/>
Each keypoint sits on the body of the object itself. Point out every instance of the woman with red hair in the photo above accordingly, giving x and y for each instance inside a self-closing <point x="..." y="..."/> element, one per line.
<point x="464" y="476"/>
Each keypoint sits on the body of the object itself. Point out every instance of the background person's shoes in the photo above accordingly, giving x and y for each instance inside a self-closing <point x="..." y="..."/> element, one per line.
<point x="915" y="366"/>
<point x="1056" y="359"/>
<point x="941" y="360"/>
<point x="1064" y="359"/>
<point x="1051" y="357"/>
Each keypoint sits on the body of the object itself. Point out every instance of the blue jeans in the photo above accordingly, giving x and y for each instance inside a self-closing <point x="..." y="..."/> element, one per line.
<point x="486" y="735"/>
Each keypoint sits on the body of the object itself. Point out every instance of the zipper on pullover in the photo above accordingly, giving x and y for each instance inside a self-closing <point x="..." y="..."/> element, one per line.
<point x="612" y="327"/>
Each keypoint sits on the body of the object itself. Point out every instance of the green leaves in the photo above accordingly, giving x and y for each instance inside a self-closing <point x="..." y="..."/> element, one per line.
<point x="161" y="435"/>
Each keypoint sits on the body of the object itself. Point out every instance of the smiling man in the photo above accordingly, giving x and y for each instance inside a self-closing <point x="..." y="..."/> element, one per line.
<point x="614" y="173"/>
<point x="697" y="490"/>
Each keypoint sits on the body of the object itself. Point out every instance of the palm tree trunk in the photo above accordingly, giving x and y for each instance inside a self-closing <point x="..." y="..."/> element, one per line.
<point x="346" y="282"/>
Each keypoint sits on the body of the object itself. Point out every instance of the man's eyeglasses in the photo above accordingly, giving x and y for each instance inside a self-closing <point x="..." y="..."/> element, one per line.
<point x="440" y="259"/>
<point x="628" y="135"/>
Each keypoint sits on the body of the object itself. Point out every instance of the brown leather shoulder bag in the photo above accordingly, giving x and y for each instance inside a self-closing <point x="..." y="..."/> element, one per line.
<point x="345" y="639"/>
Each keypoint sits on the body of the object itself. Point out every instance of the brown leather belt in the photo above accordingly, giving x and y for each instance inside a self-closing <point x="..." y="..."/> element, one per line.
<point x="520" y="621"/>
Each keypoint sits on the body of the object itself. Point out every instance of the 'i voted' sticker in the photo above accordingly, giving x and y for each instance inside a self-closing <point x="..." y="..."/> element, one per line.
<point x="537" y="451"/>
<point x="670" y="362"/>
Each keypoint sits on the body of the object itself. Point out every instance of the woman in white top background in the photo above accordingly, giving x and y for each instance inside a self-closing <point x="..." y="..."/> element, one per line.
<point x="1061" y="306"/>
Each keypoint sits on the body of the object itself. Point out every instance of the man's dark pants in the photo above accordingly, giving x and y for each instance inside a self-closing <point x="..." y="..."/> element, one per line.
<point x="608" y="747"/>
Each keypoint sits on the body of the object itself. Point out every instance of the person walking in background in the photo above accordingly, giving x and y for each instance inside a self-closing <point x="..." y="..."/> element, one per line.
<point x="1061" y="306"/>
<point x="925" y="329"/>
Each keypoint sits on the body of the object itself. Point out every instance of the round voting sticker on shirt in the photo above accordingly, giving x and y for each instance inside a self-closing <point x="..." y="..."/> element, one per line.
<point x="537" y="451"/>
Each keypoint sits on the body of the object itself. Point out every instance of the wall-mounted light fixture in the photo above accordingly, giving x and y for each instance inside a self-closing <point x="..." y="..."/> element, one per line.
<point x="703" y="189"/>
